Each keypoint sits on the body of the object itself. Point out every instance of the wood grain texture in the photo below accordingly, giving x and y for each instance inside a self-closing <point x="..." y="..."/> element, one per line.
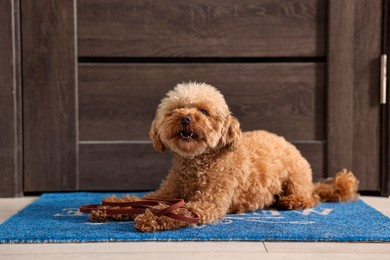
<point x="201" y="28"/>
<point x="10" y="101"/>
<point x="49" y="95"/>
<point x="136" y="166"/>
<point x="315" y="154"/>
<point x="353" y="78"/>
<point x="118" y="102"/>
<point x="122" y="166"/>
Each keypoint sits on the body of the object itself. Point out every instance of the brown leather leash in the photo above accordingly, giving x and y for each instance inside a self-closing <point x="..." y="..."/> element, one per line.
<point x="139" y="207"/>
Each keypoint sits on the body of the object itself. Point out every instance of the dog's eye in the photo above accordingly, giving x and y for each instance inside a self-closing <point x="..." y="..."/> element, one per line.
<point x="203" y="111"/>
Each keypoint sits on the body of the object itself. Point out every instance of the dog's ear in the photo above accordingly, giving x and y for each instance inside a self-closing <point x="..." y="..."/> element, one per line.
<point x="153" y="134"/>
<point x="231" y="135"/>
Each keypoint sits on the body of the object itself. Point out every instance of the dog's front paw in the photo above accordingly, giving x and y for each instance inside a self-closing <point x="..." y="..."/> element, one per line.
<point x="148" y="222"/>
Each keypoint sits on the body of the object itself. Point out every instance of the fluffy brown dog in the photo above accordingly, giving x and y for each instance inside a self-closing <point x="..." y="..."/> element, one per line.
<point x="218" y="169"/>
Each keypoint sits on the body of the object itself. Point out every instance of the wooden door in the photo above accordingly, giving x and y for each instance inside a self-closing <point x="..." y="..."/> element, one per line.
<point x="304" y="69"/>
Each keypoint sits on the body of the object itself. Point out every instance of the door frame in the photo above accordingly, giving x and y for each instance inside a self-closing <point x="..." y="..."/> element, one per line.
<point x="11" y="177"/>
<point x="385" y="108"/>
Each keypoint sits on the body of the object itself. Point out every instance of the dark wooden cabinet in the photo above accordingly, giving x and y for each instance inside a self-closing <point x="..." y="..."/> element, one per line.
<point x="94" y="71"/>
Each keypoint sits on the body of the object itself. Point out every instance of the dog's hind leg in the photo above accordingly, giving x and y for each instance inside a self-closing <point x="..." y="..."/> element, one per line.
<point x="300" y="195"/>
<point x="297" y="195"/>
<point x="297" y="189"/>
<point x="295" y="202"/>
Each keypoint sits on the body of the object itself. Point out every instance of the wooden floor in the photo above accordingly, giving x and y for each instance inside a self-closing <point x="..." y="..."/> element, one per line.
<point x="192" y="250"/>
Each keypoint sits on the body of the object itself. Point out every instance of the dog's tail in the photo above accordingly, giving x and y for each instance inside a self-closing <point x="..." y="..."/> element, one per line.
<point x="343" y="187"/>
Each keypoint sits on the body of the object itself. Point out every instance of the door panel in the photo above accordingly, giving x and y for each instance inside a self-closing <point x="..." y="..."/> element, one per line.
<point x="118" y="102"/>
<point x="121" y="166"/>
<point x="201" y="28"/>
<point x="134" y="165"/>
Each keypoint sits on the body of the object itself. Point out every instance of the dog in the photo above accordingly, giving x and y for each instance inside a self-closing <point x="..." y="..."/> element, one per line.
<point x="218" y="169"/>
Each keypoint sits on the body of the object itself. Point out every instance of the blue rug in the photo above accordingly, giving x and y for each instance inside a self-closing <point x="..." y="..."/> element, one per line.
<point x="54" y="218"/>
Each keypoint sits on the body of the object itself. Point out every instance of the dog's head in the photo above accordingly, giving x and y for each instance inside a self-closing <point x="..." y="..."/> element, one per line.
<point x="194" y="118"/>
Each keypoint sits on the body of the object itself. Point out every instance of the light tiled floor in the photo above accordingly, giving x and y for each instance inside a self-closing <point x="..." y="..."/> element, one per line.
<point x="192" y="250"/>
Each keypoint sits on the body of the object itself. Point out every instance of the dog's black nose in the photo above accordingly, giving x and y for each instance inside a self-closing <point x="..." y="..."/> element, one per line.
<point x="185" y="120"/>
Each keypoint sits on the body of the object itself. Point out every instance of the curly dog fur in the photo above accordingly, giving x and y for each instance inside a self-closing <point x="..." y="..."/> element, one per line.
<point x="218" y="169"/>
